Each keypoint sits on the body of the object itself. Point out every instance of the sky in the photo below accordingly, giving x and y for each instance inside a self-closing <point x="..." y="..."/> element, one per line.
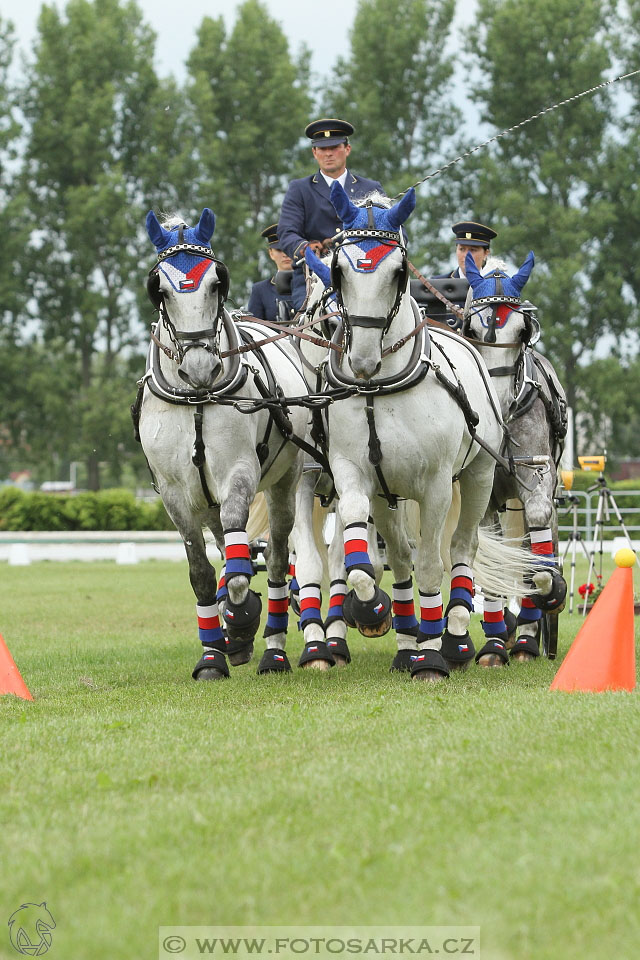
<point x="176" y="21"/>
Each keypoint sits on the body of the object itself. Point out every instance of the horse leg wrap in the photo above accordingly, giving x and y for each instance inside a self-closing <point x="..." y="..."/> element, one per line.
<point x="294" y="588"/>
<point x="457" y="650"/>
<point x="495" y="630"/>
<point x="209" y="628"/>
<point x="310" y="598"/>
<point x="542" y="549"/>
<point x="212" y="665"/>
<point x="404" y="620"/>
<point x="428" y="660"/>
<point x="356" y="549"/>
<point x="243" y="619"/>
<point x="526" y="644"/>
<point x="461" y="594"/>
<point x="337" y="593"/>
<point x="222" y="587"/>
<point x="431" y="620"/>
<point x="402" y="661"/>
<point x="277" y="608"/>
<point x="371" y="617"/>
<point x="529" y="612"/>
<point x="237" y="555"/>
<point x="274" y="661"/>
<point x="552" y="602"/>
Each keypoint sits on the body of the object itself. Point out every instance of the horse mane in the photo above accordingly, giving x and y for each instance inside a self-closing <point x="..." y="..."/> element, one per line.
<point x="169" y="221"/>
<point x="495" y="263"/>
<point x="376" y="198"/>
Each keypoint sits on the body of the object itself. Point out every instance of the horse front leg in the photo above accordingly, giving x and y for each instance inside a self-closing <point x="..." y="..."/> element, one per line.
<point x="242" y="608"/>
<point x="281" y="505"/>
<point x="396" y="526"/>
<point x="368" y="606"/>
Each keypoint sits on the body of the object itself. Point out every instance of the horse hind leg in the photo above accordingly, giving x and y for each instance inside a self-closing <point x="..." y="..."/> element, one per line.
<point x="242" y="607"/>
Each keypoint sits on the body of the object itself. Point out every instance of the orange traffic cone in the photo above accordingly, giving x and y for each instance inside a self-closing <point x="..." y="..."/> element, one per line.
<point x="10" y="679"/>
<point x="602" y="656"/>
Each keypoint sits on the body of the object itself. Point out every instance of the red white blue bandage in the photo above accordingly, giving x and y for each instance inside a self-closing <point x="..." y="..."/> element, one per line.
<point x="542" y="546"/>
<point x="461" y="586"/>
<point x="493" y="619"/>
<point x="356" y="548"/>
<point x="237" y="555"/>
<point x="310" y="600"/>
<point x="431" y="619"/>
<point x="529" y="613"/>
<point x="404" y="612"/>
<point x="277" y="608"/>
<point x="209" y="625"/>
<point x="337" y="593"/>
<point x="222" y="586"/>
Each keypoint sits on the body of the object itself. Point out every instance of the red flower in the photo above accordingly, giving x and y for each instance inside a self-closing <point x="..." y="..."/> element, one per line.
<point x="586" y="588"/>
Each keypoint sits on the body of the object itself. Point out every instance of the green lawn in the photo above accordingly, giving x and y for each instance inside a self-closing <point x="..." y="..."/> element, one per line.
<point x="133" y="797"/>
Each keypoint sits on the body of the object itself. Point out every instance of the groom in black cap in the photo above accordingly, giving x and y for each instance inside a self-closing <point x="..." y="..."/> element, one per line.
<point x="307" y="215"/>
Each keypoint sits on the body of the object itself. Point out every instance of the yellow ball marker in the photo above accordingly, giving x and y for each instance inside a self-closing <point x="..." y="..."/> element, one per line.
<point x="624" y="557"/>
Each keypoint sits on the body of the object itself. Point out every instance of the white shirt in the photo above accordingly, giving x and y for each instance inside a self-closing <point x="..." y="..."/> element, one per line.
<point x="341" y="180"/>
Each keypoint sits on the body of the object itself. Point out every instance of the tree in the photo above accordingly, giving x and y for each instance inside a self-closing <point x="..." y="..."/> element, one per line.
<point x="534" y="183"/>
<point x="250" y="104"/>
<point x="92" y="107"/>
<point x="395" y="89"/>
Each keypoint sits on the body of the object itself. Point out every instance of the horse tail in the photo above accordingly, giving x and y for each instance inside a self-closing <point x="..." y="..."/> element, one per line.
<point x="502" y="567"/>
<point x="258" y="522"/>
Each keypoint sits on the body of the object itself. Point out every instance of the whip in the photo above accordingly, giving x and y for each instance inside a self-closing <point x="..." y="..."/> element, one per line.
<point x="517" y="126"/>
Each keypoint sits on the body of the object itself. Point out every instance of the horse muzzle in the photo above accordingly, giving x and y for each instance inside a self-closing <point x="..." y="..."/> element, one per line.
<point x="200" y="366"/>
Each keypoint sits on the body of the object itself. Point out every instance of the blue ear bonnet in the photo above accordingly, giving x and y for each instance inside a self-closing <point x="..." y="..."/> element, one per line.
<point x="485" y="287"/>
<point x="316" y="265"/>
<point x="184" y="270"/>
<point x="357" y="218"/>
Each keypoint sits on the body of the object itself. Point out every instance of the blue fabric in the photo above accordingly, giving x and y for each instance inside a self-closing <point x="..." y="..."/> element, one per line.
<point x="355" y="218"/>
<point x="486" y="286"/>
<point x="200" y="234"/>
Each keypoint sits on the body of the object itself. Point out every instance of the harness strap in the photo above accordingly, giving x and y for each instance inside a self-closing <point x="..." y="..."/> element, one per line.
<point x="375" y="454"/>
<point x="198" y="457"/>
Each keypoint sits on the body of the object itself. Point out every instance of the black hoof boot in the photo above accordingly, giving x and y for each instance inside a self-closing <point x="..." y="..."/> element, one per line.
<point x="495" y="651"/>
<point x="316" y="650"/>
<point x="428" y="662"/>
<point x="274" y="661"/>
<point x="239" y="651"/>
<point x="212" y="665"/>
<point x="340" y="650"/>
<point x="371" y="617"/>
<point x="243" y="619"/>
<point x="525" y="645"/>
<point x="402" y="661"/>
<point x="457" y="651"/>
<point x="553" y="602"/>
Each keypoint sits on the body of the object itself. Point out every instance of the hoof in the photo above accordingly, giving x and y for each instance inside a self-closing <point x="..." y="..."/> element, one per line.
<point x="242" y="652"/>
<point x="212" y="665"/>
<point x="493" y="654"/>
<point x="458" y="652"/>
<point x="340" y="651"/>
<point x="554" y="601"/>
<point x="428" y="662"/>
<point x="521" y="656"/>
<point x="242" y="620"/>
<point x="316" y="655"/>
<point x="371" y="617"/>
<point x="274" y="661"/>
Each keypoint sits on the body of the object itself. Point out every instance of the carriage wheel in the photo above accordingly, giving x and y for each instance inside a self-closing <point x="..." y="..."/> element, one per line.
<point x="550" y="635"/>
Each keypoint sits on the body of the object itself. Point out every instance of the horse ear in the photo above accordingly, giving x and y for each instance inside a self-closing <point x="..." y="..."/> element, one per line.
<point x="472" y="273"/>
<point x="402" y="209"/>
<point x="319" y="268"/>
<point x="520" y="278"/>
<point x="346" y="210"/>
<point x="157" y="234"/>
<point x="206" y="225"/>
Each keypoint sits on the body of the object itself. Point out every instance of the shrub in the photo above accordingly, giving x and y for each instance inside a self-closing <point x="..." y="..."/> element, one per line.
<point x="105" y="510"/>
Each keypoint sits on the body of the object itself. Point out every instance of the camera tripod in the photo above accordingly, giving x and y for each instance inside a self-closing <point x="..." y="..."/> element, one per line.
<point x="575" y="538"/>
<point x="606" y="502"/>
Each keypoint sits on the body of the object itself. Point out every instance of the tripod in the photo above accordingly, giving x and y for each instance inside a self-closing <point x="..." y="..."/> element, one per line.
<point x="575" y="538"/>
<point x="606" y="502"/>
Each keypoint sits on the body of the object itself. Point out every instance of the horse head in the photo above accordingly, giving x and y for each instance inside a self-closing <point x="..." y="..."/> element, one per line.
<point x="189" y="286"/>
<point x="368" y="273"/>
<point x="494" y="303"/>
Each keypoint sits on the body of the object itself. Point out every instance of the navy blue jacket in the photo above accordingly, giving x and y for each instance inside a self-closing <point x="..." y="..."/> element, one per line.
<point x="307" y="212"/>
<point x="263" y="302"/>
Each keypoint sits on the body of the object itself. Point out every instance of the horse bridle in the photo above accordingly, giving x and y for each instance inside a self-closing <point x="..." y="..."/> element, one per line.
<point x="386" y="237"/>
<point x="531" y="331"/>
<point x="185" y="341"/>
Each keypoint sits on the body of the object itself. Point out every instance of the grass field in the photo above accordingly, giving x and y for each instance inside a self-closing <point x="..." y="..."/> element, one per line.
<point x="133" y="797"/>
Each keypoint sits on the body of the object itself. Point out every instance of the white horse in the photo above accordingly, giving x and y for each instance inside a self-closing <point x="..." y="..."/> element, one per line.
<point x="533" y="405"/>
<point x="213" y="438"/>
<point x="415" y="413"/>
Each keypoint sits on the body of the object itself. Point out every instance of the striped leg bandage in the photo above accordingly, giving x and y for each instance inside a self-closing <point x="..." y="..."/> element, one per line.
<point x="310" y="598"/>
<point x="431" y="619"/>
<point x="209" y="626"/>
<point x="404" y="613"/>
<point x="337" y="593"/>
<point x="356" y="549"/>
<point x="277" y="608"/>
<point x="493" y="620"/>
<point x="461" y="587"/>
<point x="222" y="587"/>
<point x="237" y="555"/>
